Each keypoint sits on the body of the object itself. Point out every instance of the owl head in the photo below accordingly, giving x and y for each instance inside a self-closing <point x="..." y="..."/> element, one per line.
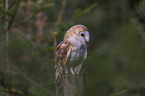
<point x="77" y="35"/>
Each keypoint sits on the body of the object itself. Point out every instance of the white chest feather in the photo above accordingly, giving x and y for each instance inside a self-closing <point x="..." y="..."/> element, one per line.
<point x="77" y="55"/>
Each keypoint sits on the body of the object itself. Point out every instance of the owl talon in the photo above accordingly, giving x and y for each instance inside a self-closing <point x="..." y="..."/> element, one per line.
<point x="60" y="86"/>
<point x="66" y="75"/>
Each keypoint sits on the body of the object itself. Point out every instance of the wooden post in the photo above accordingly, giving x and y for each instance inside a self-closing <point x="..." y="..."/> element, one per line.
<point x="74" y="86"/>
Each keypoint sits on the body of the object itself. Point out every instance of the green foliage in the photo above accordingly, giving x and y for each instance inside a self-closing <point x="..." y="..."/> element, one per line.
<point x="14" y="84"/>
<point x="115" y="62"/>
<point x="140" y="9"/>
<point x="38" y="7"/>
<point x="119" y="62"/>
<point x="78" y="13"/>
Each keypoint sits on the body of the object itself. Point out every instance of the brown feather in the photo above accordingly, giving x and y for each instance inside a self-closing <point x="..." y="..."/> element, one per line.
<point x="61" y="57"/>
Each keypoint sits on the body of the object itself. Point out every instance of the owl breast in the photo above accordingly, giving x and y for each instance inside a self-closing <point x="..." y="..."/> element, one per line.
<point x="77" y="56"/>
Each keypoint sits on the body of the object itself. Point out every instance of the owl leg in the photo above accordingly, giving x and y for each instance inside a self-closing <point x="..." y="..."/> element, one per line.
<point x="66" y="71"/>
<point x="77" y="69"/>
<point x="72" y="70"/>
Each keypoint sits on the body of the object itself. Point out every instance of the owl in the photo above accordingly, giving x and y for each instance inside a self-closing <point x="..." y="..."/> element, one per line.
<point x="71" y="52"/>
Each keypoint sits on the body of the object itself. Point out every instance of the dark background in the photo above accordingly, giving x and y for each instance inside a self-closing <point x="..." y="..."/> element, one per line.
<point x="115" y="65"/>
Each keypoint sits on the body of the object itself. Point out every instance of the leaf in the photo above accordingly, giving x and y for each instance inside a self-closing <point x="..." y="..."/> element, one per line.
<point x="39" y="10"/>
<point x="13" y="14"/>
<point x="14" y="91"/>
<point x="44" y="7"/>
<point x="140" y="10"/>
<point x="120" y="93"/>
<point x="78" y="13"/>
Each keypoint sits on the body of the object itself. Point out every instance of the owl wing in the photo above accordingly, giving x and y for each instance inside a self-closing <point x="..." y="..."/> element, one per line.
<point x="62" y="54"/>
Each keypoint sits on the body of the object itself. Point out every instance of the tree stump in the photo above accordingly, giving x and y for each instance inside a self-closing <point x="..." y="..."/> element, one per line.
<point x="73" y="86"/>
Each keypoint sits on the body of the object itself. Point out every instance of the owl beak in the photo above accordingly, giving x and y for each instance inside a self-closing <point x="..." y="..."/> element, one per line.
<point x="86" y="37"/>
<point x="86" y="41"/>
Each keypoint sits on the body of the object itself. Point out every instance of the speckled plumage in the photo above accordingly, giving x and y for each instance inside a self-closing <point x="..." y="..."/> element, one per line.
<point x="71" y="52"/>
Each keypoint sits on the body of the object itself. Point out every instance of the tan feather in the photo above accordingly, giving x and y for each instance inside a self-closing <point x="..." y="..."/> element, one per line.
<point x="61" y="57"/>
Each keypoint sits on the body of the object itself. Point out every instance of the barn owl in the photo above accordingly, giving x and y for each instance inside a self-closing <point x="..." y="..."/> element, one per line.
<point x="71" y="52"/>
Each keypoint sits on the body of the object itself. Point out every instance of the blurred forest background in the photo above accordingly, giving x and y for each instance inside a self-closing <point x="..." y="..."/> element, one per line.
<point x="30" y="30"/>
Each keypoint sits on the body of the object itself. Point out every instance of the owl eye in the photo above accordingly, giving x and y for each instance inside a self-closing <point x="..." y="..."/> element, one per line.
<point x="82" y="35"/>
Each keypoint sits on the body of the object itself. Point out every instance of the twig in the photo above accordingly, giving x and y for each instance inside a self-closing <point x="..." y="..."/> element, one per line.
<point x="119" y="93"/>
<point x="55" y="43"/>
<point x="14" y="91"/>
<point x="39" y="25"/>
<point x="33" y="82"/>
<point x="59" y="19"/>
<point x="61" y="12"/>
<point x="49" y="92"/>
<point x="7" y="34"/>
<point x="22" y="34"/>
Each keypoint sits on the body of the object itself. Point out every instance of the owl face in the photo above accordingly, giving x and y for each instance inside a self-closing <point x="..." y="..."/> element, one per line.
<point x="77" y="36"/>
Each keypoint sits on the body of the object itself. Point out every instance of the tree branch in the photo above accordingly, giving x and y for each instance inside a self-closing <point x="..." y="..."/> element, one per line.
<point x="61" y="12"/>
<point x="7" y="33"/>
